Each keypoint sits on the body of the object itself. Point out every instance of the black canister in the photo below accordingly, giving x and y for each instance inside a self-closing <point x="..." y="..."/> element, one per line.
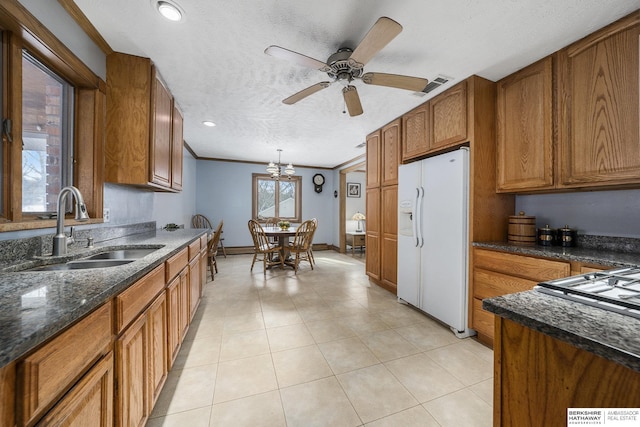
<point x="546" y="236"/>
<point x="566" y="236"/>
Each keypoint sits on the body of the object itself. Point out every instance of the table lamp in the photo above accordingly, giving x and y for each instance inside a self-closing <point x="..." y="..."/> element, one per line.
<point x="358" y="216"/>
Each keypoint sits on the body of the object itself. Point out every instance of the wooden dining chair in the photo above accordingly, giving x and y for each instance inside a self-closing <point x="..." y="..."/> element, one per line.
<point x="200" y="221"/>
<point x="272" y="222"/>
<point x="313" y="232"/>
<point x="212" y="250"/>
<point x="262" y="246"/>
<point x="301" y="243"/>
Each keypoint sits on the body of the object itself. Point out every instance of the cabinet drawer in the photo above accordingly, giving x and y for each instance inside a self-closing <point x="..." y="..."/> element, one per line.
<point x="89" y="403"/>
<point x="176" y="264"/>
<point x="487" y="284"/>
<point x="535" y="269"/>
<point x="194" y="249"/>
<point x="203" y="241"/>
<point x="591" y="268"/>
<point x="483" y="321"/>
<point x="130" y="303"/>
<point x="49" y="372"/>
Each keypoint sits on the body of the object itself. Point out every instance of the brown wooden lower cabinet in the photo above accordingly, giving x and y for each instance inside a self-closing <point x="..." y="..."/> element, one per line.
<point x="158" y="344"/>
<point x="89" y="402"/>
<point x="142" y="354"/>
<point x="132" y="407"/>
<point x="194" y="285"/>
<point x="108" y="368"/>
<point x="46" y="374"/>
<point x="538" y="377"/>
<point x="499" y="273"/>
<point x="177" y="314"/>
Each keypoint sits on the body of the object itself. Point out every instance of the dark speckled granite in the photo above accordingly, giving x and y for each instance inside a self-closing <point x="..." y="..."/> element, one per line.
<point x="610" y="335"/>
<point x="38" y="305"/>
<point x="602" y="255"/>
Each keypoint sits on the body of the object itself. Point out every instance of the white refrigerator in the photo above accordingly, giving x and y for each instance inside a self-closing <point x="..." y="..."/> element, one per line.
<point x="433" y="238"/>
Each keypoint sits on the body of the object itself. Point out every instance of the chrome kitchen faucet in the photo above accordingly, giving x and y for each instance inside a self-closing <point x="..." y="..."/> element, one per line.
<point x="60" y="240"/>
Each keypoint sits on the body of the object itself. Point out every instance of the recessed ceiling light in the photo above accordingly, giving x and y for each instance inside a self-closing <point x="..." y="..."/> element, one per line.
<point x="169" y="10"/>
<point x="208" y="123"/>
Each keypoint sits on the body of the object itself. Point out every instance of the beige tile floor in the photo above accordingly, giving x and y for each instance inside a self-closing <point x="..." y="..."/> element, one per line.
<point x="321" y="348"/>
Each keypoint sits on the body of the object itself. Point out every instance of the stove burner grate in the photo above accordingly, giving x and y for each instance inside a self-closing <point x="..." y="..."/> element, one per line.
<point x="613" y="290"/>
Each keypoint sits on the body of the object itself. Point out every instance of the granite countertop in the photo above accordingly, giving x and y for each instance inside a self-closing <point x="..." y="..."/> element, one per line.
<point x="589" y="255"/>
<point x="613" y="336"/>
<point x="37" y="305"/>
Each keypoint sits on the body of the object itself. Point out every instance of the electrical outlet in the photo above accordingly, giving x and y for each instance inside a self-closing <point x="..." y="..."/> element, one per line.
<point x="106" y="215"/>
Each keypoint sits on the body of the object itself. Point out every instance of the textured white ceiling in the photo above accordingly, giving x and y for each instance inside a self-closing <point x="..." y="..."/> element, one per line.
<point x="213" y="61"/>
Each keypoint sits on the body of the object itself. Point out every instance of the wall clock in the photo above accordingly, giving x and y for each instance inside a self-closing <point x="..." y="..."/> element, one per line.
<point x="318" y="182"/>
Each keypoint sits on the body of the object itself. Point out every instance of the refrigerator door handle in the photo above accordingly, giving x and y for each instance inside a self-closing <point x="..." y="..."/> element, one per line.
<point x="415" y="217"/>
<point x="419" y="204"/>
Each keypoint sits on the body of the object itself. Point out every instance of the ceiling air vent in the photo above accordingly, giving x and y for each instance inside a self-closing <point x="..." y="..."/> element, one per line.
<point x="361" y="145"/>
<point x="436" y="83"/>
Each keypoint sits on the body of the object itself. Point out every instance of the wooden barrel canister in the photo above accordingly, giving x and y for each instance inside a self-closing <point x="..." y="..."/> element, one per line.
<point x="522" y="229"/>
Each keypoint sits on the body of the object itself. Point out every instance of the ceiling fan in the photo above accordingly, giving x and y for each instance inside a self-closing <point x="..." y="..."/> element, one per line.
<point x="346" y="65"/>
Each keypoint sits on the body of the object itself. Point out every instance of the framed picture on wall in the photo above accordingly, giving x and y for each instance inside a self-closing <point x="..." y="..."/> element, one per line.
<point x="353" y="189"/>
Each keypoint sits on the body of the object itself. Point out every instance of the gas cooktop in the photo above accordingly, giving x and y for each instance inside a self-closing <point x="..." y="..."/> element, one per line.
<point x="613" y="290"/>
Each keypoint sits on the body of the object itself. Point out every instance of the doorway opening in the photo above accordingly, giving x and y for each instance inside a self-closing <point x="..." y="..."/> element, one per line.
<point x="352" y="199"/>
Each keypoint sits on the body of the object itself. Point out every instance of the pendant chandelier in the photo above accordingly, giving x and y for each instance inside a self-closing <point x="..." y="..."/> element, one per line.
<point x="276" y="169"/>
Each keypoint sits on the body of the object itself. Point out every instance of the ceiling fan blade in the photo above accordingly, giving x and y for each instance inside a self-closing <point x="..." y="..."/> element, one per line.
<point x="383" y="31"/>
<point x="306" y="92"/>
<point x="416" y="84"/>
<point x="352" y="100"/>
<point x="296" y="58"/>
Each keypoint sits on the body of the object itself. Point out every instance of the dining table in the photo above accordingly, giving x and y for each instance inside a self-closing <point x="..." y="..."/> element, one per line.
<point x="283" y="236"/>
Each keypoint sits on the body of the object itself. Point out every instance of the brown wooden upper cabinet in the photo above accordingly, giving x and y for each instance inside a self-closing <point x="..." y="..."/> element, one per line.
<point x="415" y="133"/>
<point x="177" y="145"/>
<point x="599" y="136"/>
<point x="390" y="135"/>
<point x="436" y="125"/>
<point x="593" y="108"/>
<point x="143" y="133"/>
<point x="448" y="114"/>
<point x="524" y="129"/>
<point x="374" y="157"/>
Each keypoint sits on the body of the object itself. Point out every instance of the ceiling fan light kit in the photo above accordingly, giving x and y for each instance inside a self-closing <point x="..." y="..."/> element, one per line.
<point x="347" y="65"/>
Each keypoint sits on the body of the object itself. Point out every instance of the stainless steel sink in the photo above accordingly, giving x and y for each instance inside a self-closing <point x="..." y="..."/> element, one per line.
<point x="112" y="258"/>
<point x="83" y="264"/>
<point x="129" y="254"/>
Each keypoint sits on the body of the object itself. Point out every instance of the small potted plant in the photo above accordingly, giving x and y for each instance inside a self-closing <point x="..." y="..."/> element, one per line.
<point x="284" y="225"/>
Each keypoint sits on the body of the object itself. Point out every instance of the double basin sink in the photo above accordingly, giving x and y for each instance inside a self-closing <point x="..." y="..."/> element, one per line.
<point x="112" y="258"/>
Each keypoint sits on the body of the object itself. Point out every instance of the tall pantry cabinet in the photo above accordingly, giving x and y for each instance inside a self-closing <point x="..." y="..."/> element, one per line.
<point x="383" y="157"/>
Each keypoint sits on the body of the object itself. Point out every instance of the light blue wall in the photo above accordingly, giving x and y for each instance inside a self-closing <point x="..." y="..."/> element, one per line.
<point x="224" y="192"/>
<point x="65" y="28"/>
<point x="601" y="213"/>
<point x="178" y="208"/>
<point x="130" y="205"/>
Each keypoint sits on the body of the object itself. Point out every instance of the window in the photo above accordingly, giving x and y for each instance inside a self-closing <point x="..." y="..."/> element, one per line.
<point x="47" y="144"/>
<point x="52" y="124"/>
<point x="277" y="198"/>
